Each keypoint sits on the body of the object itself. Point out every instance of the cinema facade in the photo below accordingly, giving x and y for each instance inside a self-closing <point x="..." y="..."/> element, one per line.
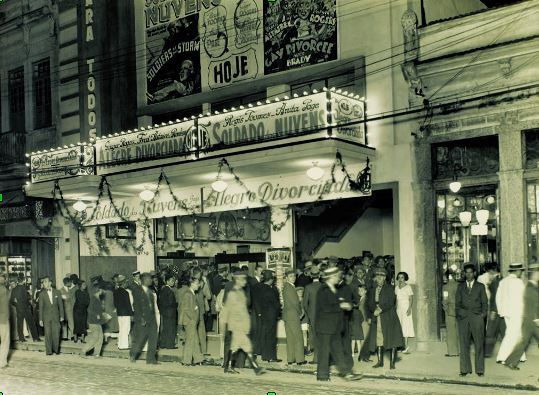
<point x="247" y="143"/>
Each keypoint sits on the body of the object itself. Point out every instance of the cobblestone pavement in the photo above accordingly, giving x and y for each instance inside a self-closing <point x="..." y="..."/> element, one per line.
<point x="35" y="373"/>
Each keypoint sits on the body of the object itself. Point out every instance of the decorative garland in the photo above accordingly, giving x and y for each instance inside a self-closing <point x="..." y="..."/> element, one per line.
<point x="361" y="183"/>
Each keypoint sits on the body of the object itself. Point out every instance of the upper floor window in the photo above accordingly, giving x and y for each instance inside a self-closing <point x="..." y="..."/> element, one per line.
<point x="16" y="100"/>
<point x="42" y="94"/>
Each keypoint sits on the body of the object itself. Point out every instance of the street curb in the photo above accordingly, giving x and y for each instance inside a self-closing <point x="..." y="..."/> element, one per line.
<point x="271" y="368"/>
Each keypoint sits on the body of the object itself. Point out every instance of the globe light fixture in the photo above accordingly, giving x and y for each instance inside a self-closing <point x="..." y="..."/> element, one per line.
<point x="457" y="202"/>
<point x="315" y="173"/>
<point x="465" y="218"/>
<point x="455" y="186"/>
<point x="482" y="216"/>
<point x="79" y="206"/>
<point x="219" y="185"/>
<point x="146" y="194"/>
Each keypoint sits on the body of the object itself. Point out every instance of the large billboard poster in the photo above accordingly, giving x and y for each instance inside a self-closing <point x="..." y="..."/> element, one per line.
<point x="231" y="42"/>
<point x="173" y="56"/>
<point x="299" y="33"/>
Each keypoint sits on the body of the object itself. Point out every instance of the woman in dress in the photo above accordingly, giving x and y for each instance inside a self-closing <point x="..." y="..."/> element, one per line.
<point x="405" y="297"/>
<point x="356" y="329"/>
<point x="80" y="311"/>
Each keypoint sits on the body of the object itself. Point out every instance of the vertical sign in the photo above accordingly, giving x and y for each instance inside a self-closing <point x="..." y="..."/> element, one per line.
<point x="299" y="33"/>
<point x="231" y="38"/>
<point x="279" y="260"/>
<point x="92" y="31"/>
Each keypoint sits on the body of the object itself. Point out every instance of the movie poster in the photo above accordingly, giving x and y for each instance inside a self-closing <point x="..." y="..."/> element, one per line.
<point x="231" y="42"/>
<point x="299" y="33"/>
<point x="173" y="58"/>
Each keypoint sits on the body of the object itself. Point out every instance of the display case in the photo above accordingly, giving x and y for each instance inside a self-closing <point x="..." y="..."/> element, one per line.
<point x="17" y="266"/>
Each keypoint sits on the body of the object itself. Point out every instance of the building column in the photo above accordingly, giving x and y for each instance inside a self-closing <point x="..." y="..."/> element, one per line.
<point x="427" y="274"/>
<point x="146" y="254"/>
<point x="511" y="203"/>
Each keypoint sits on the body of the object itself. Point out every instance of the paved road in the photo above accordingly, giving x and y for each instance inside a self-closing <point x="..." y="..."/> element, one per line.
<point x="35" y="373"/>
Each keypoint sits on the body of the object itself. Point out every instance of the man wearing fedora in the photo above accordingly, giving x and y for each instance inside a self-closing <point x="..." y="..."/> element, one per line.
<point x="509" y="300"/>
<point x="124" y="308"/>
<point x="145" y="324"/>
<point x="329" y="318"/>
<point x="96" y="318"/>
<point x="309" y="306"/>
<point x="530" y="317"/>
<point x="471" y="306"/>
<point x="292" y="313"/>
<point x="168" y="308"/>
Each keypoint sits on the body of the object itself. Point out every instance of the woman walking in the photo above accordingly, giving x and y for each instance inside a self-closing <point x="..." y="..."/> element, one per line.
<point x="80" y="311"/>
<point x="405" y="297"/>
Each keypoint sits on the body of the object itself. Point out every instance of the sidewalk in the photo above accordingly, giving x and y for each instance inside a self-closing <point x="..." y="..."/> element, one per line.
<point x="428" y="367"/>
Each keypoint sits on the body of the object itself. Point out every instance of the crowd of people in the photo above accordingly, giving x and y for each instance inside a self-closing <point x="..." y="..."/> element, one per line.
<point x="332" y="309"/>
<point x="486" y="308"/>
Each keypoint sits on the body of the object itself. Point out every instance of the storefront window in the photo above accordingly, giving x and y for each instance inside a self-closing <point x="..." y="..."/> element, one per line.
<point x="464" y="235"/>
<point x="533" y="221"/>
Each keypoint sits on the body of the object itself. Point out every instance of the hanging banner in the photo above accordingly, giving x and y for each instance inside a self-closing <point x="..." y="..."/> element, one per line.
<point x="118" y="153"/>
<point x="349" y="113"/>
<point x="299" y="33"/>
<point x="231" y="41"/>
<point x="172" y="53"/>
<point x="63" y="163"/>
<point x="277" y="119"/>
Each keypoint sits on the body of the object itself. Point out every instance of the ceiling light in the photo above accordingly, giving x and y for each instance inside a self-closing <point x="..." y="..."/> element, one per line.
<point x="219" y="185"/>
<point x="465" y="218"/>
<point x="455" y="186"/>
<point x="482" y="216"/>
<point x="146" y="194"/>
<point x="79" y="206"/>
<point x="457" y="202"/>
<point x="315" y="172"/>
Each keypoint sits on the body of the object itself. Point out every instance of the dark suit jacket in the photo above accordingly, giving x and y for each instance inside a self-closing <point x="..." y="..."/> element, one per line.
<point x="266" y="303"/>
<point x="329" y="316"/>
<point x="122" y="302"/>
<point x="143" y="307"/>
<point x="531" y="301"/>
<point x="20" y="297"/>
<point x="309" y="301"/>
<point x="346" y="292"/>
<point x="303" y="280"/>
<point x="474" y="302"/>
<point x="493" y="288"/>
<point x="51" y="312"/>
<point x="167" y="302"/>
<point x="292" y="307"/>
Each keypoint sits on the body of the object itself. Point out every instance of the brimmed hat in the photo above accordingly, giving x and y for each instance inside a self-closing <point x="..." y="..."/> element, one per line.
<point x="146" y="274"/>
<point x="239" y="273"/>
<point x="533" y="267"/>
<point x="380" y="272"/>
<point x="315" y="270"/>
<point x="96" y="280"/>
<point x="153" y="274"/>
<point x="513" y="267"/>
<point x="308" y="264"/>
<point x="120" y="278"/>
<point x="332" y="271"/>
<point x="136" y="273"/>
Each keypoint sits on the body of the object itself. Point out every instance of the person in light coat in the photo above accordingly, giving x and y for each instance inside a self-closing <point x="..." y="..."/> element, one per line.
<point x="509" y="300"/>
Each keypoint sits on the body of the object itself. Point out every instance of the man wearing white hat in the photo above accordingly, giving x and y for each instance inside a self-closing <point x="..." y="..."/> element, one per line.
<point x="509" y="300"/>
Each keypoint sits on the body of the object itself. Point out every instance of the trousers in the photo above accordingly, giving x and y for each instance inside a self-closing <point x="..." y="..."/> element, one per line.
<point x="331" y="346"/>
<point x="191" y="350"/>
<point x="473" y="327"/>
<point x="4" y="343"/>
<point x="495" y="328"/>
<point x="529" y="330"/>
<point x="94" y="340"/>
<point x="511" y="338"/>
<point x="22" y="315"/>
<point x="452" y="339"/>
<point x="294" y="341"/>
<point x="124" y="326"/>
<point x="52" y="336"/>
<point x="143" y="334"/>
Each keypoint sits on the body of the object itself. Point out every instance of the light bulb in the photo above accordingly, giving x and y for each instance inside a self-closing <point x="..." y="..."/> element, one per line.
<point x="315" y="172"/>
<point x="146" y="195"/>
<point x="455" y="186"/>
<point x="79" y="206"/>
<point x="219" y="185"/>
<point x="465" y="218"/>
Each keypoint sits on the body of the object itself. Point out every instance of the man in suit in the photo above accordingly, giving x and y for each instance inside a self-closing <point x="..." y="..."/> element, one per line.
<point x="309" y="306"/>
<point x="145" y="324"/>
<point x="530" y="317"/>
<point x="51" y="314"/>
<point x="471" y="306"/>
<point x="4" y="321"/>
<point x="168" y="308"/>
<point x="96" y="318"/>
<point x="21" y="299"/>
<point x="305" y="277"/>
<point x="292" y="314"/>
<point x="495" y="323"/>
<point x="346" y="292"/>
<point x="267" y="308"/>
<point x="448" y="303"/>
<point x="329" y="326"/>
<point x="124" y="308"/>
<point x="190" y="318"/>
<point x="67" y="298"/>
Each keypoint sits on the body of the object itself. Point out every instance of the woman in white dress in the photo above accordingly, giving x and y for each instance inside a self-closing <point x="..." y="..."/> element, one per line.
<point x="405" y="297"/>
